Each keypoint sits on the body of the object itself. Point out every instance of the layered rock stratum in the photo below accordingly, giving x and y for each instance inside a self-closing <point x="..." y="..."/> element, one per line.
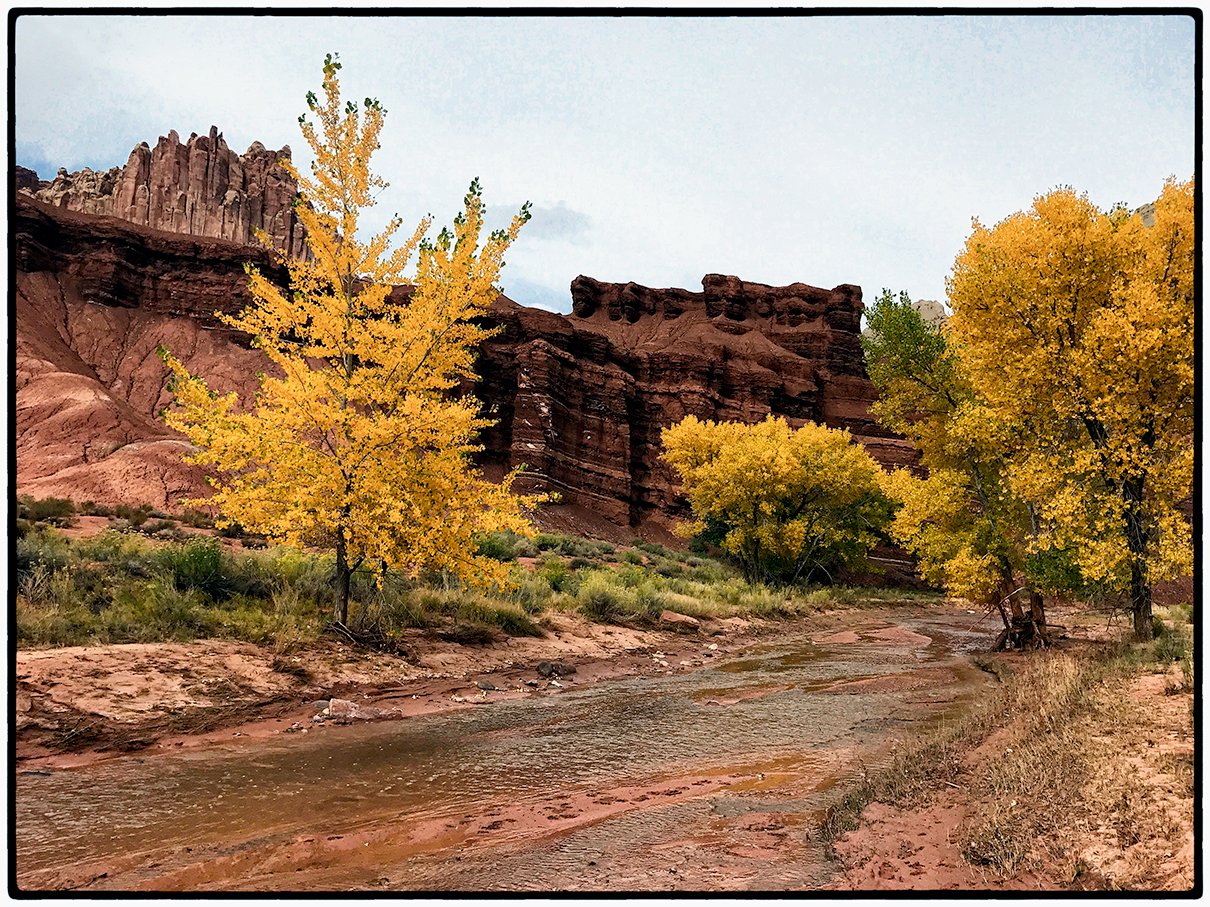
<point x="111" y="265"/>
<point x="579" y="399"/>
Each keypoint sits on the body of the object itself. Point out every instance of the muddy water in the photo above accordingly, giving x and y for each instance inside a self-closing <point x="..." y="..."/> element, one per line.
<point x="711" y="779"/>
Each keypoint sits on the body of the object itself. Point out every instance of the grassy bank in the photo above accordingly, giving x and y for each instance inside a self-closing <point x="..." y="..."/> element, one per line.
<point x="151" y="579"/>
<point x="1041" y="759"/>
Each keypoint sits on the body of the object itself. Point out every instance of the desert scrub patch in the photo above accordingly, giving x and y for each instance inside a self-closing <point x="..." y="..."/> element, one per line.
<point x="1049" y="704"/>
<point x="500" y="546"/>
<point x="51" y="511"/>
<point x="601" y="599"/>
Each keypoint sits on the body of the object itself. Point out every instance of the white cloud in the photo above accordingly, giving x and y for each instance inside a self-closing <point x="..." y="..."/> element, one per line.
<point x="657" y="149"/>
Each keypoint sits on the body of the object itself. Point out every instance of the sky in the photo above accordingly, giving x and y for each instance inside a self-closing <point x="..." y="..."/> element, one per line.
<point x="822" y="149"/>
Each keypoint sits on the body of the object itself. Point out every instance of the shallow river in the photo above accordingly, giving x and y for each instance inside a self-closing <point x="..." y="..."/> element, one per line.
<point x="711" y="779"/>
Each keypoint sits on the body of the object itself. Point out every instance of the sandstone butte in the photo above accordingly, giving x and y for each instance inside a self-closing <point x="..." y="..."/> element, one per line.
<point x="580" y="399"/>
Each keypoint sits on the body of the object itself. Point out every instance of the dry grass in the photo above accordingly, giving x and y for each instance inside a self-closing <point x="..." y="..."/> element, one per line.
<point x="1070" y="786"/>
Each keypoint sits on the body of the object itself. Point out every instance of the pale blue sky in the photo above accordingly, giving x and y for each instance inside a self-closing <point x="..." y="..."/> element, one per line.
<point x="822" y="149"/>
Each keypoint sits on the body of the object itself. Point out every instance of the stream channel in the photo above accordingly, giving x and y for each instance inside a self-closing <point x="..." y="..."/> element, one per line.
<point x="713" y="779"/>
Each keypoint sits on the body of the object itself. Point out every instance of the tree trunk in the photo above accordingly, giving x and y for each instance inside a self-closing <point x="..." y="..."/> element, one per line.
<point x="343" y="575"/>
<point x="1036" y="609"/>
<point x="1140" y="602"/>
<point x="1037" y="618"/>
<point x="1136" y="541"/>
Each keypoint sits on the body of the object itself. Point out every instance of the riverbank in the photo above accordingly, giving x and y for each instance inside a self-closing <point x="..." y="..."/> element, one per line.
<point x="1076" y="774"/>
<point x="670" y="778"/>
<point x="81" y="704"/>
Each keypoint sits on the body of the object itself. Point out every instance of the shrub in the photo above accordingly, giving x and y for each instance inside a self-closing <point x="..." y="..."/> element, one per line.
<point x="533" y="592"/>
<point x="41" y="547"/>
<point x="52" y="511"/>
<point x="197" y="519"/>
<point x="1172" y="644"/>
<point x="556" y="574"/>
<point x="600" y="599"/>
<point x="500" y="546"/>
<point x="509" y="618"/>
<point x="201" y="564"/>
<point x="545" y="541"/>
<point x="135" y="516"/>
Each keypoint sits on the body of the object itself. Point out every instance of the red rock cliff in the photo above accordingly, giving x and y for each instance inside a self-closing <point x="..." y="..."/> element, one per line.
<point x="580" y="399"/>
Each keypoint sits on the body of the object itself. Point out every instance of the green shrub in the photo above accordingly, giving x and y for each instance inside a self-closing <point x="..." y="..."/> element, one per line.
<point x="630" y="556"/>
<point x="52" y="511"/>
<point x="600" y="599"/>
<point x="135" y="516"/>
<point x="525" y="547"/>
<point x="556" y="574"/>
<point x="533" y="592"/>
<point x="500" y="546"/>
<point x="198" y="519"/>
<point x="509" y="618"/>
<point x="629" y="575"/>
<point x="1173" y="644"/>
<point x="648" y="600"/>
<point x="546" y="541"/>
<point x="201" y="564"/>
<point x="665" y="567"/>
<point x="39" y="546"/>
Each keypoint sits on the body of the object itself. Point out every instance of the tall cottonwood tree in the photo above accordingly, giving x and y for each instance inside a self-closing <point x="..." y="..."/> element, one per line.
<point x="961" y="519"/>
<point x="1077" y="327"/>
<point x="357" y="438"/>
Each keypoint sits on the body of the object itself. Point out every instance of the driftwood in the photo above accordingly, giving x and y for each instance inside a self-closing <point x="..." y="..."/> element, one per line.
<point x="1023" y="629"/>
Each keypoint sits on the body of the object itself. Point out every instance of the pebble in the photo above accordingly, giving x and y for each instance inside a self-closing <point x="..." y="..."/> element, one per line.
<point x="555" y="683"/>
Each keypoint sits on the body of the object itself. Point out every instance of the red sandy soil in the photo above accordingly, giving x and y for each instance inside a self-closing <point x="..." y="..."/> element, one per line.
<point x="918" y="848"/>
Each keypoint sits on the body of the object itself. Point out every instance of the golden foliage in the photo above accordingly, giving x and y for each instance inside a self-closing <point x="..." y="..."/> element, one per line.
<point x="786" y="500"/>
<point x="962" y="521"/>
<point x="356" y="436"/>
<point x="1077" y="328"/>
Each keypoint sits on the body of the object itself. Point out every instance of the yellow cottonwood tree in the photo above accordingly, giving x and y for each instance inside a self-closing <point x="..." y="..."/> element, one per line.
<point x="1077" y="326"/>
<point x="962" y="520"/>
<point x="785" y="502"/>
<point x="358" y="439"/>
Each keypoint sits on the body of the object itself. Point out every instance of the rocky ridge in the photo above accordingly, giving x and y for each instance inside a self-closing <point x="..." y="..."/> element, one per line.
<point x="201" y="188"/>
<point x="580" y="399"/>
